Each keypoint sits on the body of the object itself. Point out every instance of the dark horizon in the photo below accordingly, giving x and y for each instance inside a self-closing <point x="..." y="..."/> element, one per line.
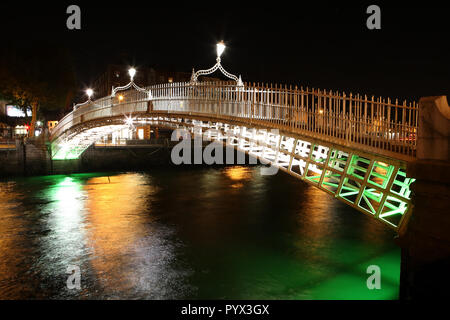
<point x="323" y="45"/>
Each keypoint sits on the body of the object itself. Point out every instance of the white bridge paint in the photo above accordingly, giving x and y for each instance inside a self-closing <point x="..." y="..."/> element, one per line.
<point x="332" y="141"/>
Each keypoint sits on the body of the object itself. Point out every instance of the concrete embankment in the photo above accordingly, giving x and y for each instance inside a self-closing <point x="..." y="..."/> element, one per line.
<point x="34" y="159"/>
<point x="24" y="159"/>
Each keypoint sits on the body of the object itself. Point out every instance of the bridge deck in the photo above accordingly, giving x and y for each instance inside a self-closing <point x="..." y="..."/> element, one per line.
<point x="372" y="125"/>
<point x="352" y="147"/>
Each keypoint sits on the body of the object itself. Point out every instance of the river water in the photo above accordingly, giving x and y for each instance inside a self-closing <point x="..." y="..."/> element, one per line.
<point x="187" y="233"/>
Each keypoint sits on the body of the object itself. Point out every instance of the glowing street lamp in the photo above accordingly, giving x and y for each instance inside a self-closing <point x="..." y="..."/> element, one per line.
<point x="120" y="97"/>
<point x="89" y="93"/>
<point x="129" y="121"/>
<point x="132" y="72"/>
<point x="220" y="48"/>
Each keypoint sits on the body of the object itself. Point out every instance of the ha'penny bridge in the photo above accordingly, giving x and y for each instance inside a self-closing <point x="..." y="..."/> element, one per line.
<point x="353" y="147"/>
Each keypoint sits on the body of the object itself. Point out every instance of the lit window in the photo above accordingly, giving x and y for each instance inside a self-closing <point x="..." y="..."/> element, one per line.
<point x="20" y="130"/>
<point x="14" y="111"/>
<point x="141" y="134"/>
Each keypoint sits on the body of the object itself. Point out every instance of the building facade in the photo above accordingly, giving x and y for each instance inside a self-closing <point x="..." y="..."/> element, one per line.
<point x="13" y="121"/>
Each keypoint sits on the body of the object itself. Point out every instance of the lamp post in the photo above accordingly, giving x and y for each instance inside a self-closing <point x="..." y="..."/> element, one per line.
<point x="132" y="72"/>
<point x="89" y="92"/>
<point x="220" y="48"/>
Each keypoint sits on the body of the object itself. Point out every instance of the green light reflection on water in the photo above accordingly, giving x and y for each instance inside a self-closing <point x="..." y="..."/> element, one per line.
<point x="311" y="260"/>
<point x="264" y="275"/>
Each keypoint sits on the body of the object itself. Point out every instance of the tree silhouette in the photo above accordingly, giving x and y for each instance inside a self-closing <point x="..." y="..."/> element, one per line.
<point x="41" y="78"/>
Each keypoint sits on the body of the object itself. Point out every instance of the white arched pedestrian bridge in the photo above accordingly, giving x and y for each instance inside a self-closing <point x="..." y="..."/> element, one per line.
<point x="353" y="147"/>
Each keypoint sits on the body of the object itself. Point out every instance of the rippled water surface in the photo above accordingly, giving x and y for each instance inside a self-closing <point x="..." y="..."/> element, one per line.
<point x="206" y="233"/>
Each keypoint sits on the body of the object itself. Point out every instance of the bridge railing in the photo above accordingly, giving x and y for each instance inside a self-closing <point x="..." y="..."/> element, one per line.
<point x="372" y="124"/>
<point x="369" y="122"/>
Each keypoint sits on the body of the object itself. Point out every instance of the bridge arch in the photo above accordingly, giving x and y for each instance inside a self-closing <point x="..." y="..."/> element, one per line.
<point x="351" y="147"/>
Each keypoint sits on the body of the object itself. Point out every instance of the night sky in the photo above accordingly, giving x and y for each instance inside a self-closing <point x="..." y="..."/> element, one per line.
<point x="322" y="44"/>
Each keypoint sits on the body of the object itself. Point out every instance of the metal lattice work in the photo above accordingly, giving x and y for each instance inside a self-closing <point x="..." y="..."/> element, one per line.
<point x="374" y="185"/>
<point x="352" y="147"/>
<point x="370" y="125"/>
<point x="377" y="187"/>
<point x="71" y="146"/>
<point x="217" y="66"/>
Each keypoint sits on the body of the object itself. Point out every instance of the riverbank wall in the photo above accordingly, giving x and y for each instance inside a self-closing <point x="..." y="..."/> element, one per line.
<point x="31" y="159"/>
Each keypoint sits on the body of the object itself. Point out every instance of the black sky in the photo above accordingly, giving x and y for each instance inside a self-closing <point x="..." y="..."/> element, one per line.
<point x="319" y="44"/>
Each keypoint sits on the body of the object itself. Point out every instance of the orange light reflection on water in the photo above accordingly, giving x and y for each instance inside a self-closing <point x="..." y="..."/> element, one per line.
<point x="114" y="225"/>
<point x="238" y="174"/>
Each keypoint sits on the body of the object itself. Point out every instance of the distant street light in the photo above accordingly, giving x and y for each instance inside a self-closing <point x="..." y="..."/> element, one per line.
<point x="120" y="97"/>
<point x="129" y="121"/>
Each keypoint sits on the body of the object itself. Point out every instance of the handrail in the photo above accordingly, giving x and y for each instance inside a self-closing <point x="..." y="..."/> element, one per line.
<point x="377" y="123"/>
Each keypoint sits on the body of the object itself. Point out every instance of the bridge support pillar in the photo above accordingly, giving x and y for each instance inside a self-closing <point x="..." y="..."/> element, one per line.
<point x="425" y="238"/>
